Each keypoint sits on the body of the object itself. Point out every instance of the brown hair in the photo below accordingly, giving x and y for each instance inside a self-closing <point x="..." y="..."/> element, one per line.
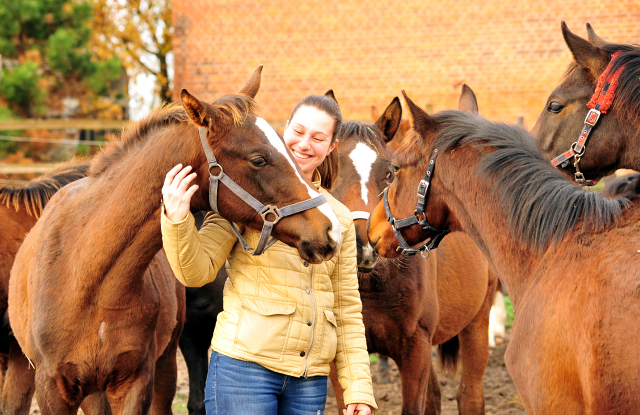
<point x="329" y="168"/>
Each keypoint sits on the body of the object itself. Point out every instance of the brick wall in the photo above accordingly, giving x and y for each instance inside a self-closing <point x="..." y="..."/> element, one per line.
<point x="511" y="55"/>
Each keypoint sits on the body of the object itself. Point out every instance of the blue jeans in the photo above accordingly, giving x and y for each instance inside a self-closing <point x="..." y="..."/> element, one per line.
<point x="236" y="387"/>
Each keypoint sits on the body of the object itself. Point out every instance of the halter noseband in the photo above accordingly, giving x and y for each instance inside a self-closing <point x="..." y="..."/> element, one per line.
<point x="599" y="104"/>
<point x="397" y="224"/>
<point x="264" y="211"/>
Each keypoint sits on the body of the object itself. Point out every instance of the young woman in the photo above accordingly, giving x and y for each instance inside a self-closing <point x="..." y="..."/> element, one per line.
<point x="283" y="320"/>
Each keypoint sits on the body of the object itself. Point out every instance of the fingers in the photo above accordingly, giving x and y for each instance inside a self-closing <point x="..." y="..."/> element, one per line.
<point x="181" y="175"/>
<point x="350" y="409"/>
<point x="171" y="174"/>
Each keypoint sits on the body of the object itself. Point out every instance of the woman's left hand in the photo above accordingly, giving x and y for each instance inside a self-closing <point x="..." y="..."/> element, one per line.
<point x="357" y="409"/>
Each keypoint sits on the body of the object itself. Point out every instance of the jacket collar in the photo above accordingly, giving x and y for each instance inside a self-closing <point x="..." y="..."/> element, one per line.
<point x="316" y="179"/>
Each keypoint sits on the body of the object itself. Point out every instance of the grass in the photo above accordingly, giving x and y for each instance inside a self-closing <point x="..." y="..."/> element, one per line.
<point x="507" y="303"/>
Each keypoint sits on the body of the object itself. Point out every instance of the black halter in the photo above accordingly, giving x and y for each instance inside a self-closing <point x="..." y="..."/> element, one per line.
<point x="396" y="224"/>
<point x="264" y="211"/>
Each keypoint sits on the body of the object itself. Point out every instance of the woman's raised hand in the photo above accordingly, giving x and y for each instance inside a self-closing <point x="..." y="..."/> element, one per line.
<point x="176" y="192"/>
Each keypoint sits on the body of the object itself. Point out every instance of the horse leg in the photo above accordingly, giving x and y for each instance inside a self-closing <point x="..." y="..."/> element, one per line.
<point x="195" y="350"/>
<point x="133" y="397"/>
<point x="415" y="370"/>
<point x="434" y="398"/>
<point x="165" y="378"/>
<point x="337" y="388"/>
<point x="474" y="352"/>
<point x="96" y="404"/>
<point x="19" y="383"/>
<point x="49" y="396"/>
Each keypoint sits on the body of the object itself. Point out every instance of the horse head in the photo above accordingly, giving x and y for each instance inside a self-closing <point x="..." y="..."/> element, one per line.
<point x="253" y="155"/>
<point x="365" y="170"/>
<point x="415" y="157"/>
<point x="563" y="121"/>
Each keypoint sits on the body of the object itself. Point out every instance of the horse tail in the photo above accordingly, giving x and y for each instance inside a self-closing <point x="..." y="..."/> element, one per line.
<point x="448" y="353"/>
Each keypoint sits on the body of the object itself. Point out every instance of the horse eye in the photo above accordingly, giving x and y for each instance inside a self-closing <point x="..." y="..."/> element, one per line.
<point x="554" y="107"/>
<point x="395" y="168"/>
<point x="259" y="161"/>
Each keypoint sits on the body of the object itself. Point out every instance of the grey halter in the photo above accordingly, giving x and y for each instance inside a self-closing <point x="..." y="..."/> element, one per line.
<point x="264" y="211"/>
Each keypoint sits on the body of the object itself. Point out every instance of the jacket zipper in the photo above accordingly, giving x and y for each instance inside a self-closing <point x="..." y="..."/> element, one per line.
<point x="313" y="326"/>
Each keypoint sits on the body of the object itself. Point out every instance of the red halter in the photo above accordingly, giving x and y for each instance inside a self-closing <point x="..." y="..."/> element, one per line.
<point x="599" y="104"/>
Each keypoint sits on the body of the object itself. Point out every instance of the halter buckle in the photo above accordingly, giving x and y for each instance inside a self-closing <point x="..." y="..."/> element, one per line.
<point x="270" y="210"/>
<point x="423" y="186"/>
<point x="592" y="117"/>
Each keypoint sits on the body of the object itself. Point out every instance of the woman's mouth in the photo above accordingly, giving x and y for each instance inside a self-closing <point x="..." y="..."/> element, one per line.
<point x="300" y="155"/>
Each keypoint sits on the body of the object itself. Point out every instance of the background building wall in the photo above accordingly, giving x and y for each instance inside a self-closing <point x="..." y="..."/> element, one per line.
<point x="512" y="54"/>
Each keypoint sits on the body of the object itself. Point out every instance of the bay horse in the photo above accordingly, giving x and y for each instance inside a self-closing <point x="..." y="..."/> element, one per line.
<point x="571" y="351"/>
<point x="92" y="300"/>
<point x="412" y="304"/>
<point x="20" y="208"/>
<point x="614" y="140"/>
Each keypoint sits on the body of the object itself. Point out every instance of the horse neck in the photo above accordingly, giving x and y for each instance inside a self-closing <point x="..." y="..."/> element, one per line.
<point x="125" y="203"/>
<point x="479" y="213"/>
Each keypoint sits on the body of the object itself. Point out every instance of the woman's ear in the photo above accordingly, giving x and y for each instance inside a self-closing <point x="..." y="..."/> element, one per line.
<point x="332" y="146"/>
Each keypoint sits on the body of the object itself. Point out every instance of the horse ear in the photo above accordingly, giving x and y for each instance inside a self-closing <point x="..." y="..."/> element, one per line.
<point x="418" y="118"/>
<point x="331" y="95"/>
<point x="587" y="55"/>
<point x="390" y="119"/>
<point x="467" y="101"/>
<point x="375" y="114"/>
<point x="252" y="86"/>
<point x="594" y="38"/>
<point x="194" y="108"/>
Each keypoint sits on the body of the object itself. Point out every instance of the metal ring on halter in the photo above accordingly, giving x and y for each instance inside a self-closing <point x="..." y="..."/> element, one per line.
<point x="270" y="210"/>
<point x="213" y="166"/>
<point x="581" y="153"/>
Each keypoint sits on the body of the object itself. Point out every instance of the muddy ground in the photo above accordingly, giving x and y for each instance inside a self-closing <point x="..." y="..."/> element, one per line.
<point x="501" y="397"/>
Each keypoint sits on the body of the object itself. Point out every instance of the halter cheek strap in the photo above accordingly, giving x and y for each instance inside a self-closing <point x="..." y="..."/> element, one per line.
<point x="398" y="224"/>
<point x="266" y="212"/>
<point x="599" y="104"/>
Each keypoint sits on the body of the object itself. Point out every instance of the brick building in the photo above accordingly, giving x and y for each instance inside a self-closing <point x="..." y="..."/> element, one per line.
<point x="511" y="53"/>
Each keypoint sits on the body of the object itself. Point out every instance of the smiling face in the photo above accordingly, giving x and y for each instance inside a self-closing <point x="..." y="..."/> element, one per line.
<point x="309" y="137"/>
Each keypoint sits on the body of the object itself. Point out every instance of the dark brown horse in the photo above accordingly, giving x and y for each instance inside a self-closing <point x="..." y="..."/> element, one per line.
<point x="571" y="351"/>
<point x="20" y="207"/>
<point x="614" y="141"/>
<point x="92" y="301"/>
<point x="412" y="304"/>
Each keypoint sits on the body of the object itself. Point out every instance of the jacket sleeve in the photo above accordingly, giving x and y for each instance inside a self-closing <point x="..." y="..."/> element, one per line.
<point x="352" y="358"/>
<point x="197" y="256"/>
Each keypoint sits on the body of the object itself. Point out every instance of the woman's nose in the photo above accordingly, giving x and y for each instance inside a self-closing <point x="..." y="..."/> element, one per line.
<point x="304" y="142"/>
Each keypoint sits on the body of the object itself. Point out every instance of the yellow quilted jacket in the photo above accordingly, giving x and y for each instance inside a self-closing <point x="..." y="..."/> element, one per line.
<point x="288" y="316"/>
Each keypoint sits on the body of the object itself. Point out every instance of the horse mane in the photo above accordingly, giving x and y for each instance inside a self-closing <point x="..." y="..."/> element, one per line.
<point x="37" y="193"/>
<point x="627" y="97"/>
<point x="237" y="107"/>
<point x="627" y="100"/>
<point x="543" y="206"/>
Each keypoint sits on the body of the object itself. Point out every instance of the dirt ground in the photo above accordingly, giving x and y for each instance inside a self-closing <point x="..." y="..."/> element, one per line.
<point x="500" y="393"/>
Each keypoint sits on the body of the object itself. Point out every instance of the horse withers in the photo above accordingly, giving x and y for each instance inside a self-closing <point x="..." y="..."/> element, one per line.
<point x="92" y="300"/>
<point x="571" y="351"/>
<point x="411" y="304"/>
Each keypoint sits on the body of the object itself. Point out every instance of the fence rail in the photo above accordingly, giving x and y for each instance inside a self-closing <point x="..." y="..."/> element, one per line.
<point x="79" y="124"/>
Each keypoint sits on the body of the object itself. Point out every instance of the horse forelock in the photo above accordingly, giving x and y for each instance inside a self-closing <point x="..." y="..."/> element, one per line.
<point x="37" y="193"/>
<point x="542" y="205"/>
<point x="237" y="107"/>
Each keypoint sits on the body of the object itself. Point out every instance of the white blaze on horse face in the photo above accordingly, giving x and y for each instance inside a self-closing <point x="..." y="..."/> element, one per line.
<point x="363" y="158"/>
<point x="277" y="142"/>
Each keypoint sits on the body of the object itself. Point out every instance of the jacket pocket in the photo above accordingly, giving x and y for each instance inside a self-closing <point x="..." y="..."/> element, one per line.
<point x="330" y="338"/>
<point x="263" y="327"/>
